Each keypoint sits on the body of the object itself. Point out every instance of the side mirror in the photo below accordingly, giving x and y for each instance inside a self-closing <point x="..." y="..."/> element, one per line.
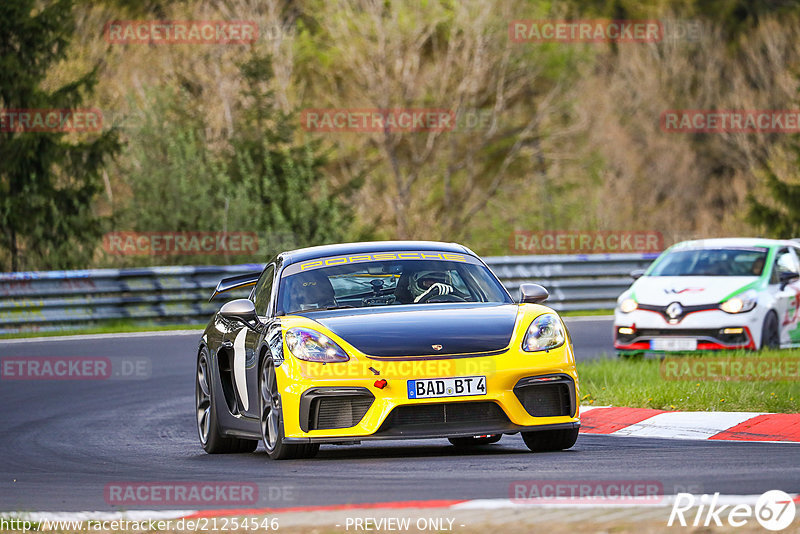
<point x="787" y="278"/>
<point x="532" y="293"/>
<point x="637" y="273"/>
<point x="240" y="310"/>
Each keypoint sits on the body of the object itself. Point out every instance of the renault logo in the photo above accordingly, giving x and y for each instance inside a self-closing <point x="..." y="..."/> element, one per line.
<point x="436" y="347"/>
<point x="674" y="310"/>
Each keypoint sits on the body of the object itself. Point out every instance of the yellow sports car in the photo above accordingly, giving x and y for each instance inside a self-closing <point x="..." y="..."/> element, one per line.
<point x="384" y="340"/>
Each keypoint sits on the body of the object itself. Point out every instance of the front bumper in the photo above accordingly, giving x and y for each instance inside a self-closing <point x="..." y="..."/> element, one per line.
<point x="464" y="433"/>
<point x="342" y="403"/>
<point x="712" y="329"/>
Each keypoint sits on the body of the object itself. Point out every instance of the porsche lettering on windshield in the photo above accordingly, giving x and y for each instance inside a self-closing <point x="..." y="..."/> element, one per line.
<point x="393" y="279"/>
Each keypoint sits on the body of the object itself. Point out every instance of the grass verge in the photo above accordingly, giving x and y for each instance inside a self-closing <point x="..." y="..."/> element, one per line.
<point x="586" y="313"/>
<point x="640" y="383"/>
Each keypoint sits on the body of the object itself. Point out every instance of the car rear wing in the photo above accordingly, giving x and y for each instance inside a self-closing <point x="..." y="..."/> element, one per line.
<point x="235" y="282"/>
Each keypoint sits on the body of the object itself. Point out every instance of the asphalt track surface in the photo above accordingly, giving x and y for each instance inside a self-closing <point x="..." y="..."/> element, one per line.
<point x="63" y="442"/>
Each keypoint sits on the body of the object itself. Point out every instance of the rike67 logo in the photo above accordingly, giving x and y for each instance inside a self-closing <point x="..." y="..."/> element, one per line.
<point x="774" y="510"/>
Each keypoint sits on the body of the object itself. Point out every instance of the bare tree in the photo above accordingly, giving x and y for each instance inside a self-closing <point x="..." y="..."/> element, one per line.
<point x="505" y="97"/>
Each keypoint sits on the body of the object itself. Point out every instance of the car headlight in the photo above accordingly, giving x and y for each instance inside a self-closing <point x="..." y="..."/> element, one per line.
<point x="312" y="346"/>
<point x="740" y="303"/>
<point x="545" y="332"/>
<point x="628" y="305"/>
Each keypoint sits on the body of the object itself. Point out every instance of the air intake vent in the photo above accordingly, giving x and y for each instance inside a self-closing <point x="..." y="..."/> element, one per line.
<point x="447" y="413"/>
<point x="338" y="411"/>
<point x="545" y="400"/>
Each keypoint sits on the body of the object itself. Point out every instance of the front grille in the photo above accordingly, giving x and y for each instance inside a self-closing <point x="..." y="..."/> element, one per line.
<point x="545" y="400"/>
<point x="685" y="310"/>
<point x="453" y="413"/>
<point x="338" y="411"/>
<point x="700" y="333"/>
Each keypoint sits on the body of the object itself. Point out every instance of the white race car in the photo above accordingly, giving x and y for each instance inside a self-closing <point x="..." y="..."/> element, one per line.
<point x="713" y="294"/>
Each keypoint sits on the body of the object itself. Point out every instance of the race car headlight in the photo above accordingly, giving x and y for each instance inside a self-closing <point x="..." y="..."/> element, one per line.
<point x="740" y="303"/>
<point x="545" y="332"/>
<point x="311" y="346"/>
<point x="628" y="305"/>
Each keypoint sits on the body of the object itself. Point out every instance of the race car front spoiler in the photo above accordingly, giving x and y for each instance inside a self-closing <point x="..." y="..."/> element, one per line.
<point x="464" y="431"/>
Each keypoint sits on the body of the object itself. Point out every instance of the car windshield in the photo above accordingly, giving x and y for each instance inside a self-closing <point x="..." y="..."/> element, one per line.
<point x="712" y="262"/>
<point x="367" y="280"/>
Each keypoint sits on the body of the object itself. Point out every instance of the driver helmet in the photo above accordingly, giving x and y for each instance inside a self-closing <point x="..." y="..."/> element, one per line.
<point x="422" y="281"/>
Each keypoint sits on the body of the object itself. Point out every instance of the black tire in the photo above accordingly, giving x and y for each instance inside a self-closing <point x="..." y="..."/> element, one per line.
<point x="208" y="429"/>
<point x="631" y="355"/>
<point x="770" y="335"/>
<point x="271" y="416"/>
<point x="474" y="441"/>
<point x="550" y="440"/>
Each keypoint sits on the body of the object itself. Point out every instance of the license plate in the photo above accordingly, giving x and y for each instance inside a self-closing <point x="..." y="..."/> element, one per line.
<point x="673" y="343"/>
<point x="460" y="386"/>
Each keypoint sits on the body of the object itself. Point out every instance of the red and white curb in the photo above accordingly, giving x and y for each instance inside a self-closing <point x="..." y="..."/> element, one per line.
<point x="315" y="513"/>
<point x="727" y="426"/>
<point x="618" y="421"/>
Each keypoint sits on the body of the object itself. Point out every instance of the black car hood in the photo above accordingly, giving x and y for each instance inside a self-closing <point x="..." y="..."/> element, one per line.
<point x="413" y="330"/>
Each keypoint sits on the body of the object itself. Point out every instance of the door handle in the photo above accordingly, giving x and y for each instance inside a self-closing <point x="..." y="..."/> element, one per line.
<point x="227" y="344"/>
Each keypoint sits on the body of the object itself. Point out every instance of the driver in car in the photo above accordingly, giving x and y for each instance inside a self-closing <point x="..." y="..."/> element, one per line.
<point x="309" y="291"/>
<point x="758" y="266"/>
<point x="427" y="284"/>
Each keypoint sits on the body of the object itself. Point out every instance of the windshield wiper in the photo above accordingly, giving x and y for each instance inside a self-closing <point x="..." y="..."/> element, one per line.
<point x="340" y="307"/>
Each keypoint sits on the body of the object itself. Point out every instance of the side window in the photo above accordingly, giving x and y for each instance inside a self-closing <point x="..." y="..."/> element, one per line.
<point x="263" y="290"/>
<point x="786" y="262"/>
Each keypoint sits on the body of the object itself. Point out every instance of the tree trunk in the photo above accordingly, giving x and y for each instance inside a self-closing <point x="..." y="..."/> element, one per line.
<point x="14" y="251"/>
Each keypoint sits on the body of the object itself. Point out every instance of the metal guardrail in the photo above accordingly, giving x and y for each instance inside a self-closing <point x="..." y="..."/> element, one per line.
<point x="576" y="283"/>
<point x="67" y="300"/>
